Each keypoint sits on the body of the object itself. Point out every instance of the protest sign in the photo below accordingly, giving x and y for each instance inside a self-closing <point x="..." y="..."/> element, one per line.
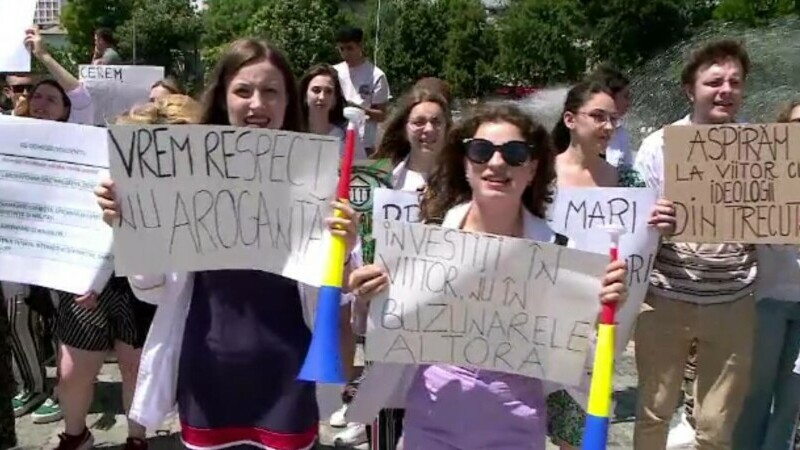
<point x="51" y="229"/>
<point x="396" y="205"/>
<point x="581" y="214"/>
<point x="15" y="17"/>
<point x="368" y="175"/>
<point x="734" y="183"/>
<point x="485" y="301"/>
<point x="115" y="89"/>
<point x="196" y="197"/>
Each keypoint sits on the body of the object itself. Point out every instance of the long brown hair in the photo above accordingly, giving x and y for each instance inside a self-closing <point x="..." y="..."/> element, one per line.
<point x="785" y="114"/>
<point x="394" y="142"/>
<point x="174" y="109"/>
<point x="448" y="185"/>
<point x="336" y="114"/>
<point x="239" y="54"/>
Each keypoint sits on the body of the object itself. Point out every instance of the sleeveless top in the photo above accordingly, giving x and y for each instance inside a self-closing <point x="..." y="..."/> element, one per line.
<point x="243" y="347"/>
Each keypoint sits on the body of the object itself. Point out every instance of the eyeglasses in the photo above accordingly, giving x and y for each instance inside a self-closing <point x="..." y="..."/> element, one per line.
<point x="602" y="117"/>
<point x="21" y="88"/>
<point x="514" y="153"/>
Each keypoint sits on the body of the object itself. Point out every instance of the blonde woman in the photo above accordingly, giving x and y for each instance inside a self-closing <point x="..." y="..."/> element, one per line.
<point x="90" y="326"/>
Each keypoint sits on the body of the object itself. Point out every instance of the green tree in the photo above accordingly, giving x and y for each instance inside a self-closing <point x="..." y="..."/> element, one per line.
<point x="80" y="18"/>
<point x="541" y="41"/>
<point x="164" y="33"/>
<point x="627" y="32"/>
<point x="753" y="12"/>
<point x="470" y="49"/>
<point x="411" y="40"/>
<point x="303" y="29"/>
<point x="227" y="20"/>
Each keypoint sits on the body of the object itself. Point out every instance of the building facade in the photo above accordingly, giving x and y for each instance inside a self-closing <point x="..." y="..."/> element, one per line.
<point x="48" y="12"/>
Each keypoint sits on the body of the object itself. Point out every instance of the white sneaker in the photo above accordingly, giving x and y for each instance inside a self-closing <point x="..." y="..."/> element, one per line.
<point x="337" y="419"/>
<point x="354" y="434"/>
<point x="682" y="436"/>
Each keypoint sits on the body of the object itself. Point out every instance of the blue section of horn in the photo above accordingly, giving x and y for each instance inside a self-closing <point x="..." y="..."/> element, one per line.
<point x="323" y="362"/>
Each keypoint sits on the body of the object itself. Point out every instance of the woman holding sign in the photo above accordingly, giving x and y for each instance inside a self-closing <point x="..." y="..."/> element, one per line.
<point x="493" y="176"/>
<point x="230" y="343"/>
<point x="413" y="138"/>
<point x="587" y="125"/>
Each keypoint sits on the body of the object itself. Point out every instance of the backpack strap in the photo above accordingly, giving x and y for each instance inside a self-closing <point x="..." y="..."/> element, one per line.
<point x="561" y="240"/>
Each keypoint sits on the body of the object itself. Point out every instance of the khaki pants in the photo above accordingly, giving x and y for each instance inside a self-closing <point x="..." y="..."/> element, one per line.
<point x="664" y="332"/>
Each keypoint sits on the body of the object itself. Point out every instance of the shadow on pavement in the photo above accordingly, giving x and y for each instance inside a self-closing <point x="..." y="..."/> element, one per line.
<point x="625" y="410"/>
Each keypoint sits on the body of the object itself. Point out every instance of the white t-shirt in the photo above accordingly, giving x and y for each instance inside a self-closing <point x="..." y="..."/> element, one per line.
<point x="405" y="179"/>
<point x="619" y="149"/>
<point x="366" y="86"/>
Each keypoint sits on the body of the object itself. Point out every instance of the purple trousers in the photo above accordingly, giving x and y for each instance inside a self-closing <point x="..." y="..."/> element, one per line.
<point x="457" y="408"/>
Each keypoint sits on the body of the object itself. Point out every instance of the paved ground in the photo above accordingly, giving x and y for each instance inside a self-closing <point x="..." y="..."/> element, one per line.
<point x="109" y="427"/>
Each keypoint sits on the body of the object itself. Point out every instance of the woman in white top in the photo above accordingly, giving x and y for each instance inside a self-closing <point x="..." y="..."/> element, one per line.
<point x="414" y="136"/>
<point x="323" y="103"/>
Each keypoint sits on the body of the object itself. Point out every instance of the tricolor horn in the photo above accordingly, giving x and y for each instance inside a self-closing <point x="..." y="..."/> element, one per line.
<point x="323" y="362"/>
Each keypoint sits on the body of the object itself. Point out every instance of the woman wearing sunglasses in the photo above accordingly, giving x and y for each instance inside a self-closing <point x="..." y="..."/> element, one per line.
<point x="493" y="176"/>
<point x="587" y="125"/>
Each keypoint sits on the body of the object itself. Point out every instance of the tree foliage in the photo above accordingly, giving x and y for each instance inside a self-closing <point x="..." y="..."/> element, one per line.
<point x="626" y="32"/>
<point x="411" y="40"/>
<point x="541" y="41"/>
<point x="303" y="29"/>
<point x="470" y="49"/>
<point x="80" y="18"/>
<point x="164" y="33"/>
<point x="753" y="12"/>
<point x="227" y="20"/>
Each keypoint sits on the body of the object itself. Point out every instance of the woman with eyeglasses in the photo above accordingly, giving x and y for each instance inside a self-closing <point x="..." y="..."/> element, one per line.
<point x="494" y="175"/>
<point x="587" y="124"/>
<point x="413" y="138"/>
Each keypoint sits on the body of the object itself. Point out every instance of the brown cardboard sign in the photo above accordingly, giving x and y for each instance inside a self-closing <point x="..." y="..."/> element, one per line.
<point x="734" y="182"/>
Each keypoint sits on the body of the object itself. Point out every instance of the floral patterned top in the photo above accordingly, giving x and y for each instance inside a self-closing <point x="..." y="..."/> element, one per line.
<point x="627" y="176"/>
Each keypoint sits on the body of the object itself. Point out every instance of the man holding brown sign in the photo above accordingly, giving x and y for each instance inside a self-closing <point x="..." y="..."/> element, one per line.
<point x="698" y="292"/>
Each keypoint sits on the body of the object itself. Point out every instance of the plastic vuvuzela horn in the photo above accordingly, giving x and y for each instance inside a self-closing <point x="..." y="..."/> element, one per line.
<point x="323" y="363"/>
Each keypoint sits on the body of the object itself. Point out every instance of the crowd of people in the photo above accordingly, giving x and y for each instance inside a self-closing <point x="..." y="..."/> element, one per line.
<point x="719" y="330"/>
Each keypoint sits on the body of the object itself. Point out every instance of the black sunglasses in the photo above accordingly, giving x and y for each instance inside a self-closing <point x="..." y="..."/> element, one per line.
<point x="514" y="153"/>
<point x="20" y="88"/>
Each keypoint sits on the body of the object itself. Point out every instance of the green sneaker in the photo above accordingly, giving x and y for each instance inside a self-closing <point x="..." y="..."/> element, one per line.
<point x="25" y="402"/>
<point x="48" y="412"/>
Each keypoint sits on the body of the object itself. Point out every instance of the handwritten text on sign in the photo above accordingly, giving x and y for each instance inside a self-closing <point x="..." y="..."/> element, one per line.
<point x="486" y="301"/>
<point x="390" y="204"/>
<point x="115" y="89"/>
<point x="581" y="214"/>
<point x="734" y="183"/>
<point x="206" y="197"/>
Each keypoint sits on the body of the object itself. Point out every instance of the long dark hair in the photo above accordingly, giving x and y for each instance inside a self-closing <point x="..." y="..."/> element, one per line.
<point x="64" y="98"/>
<point x="394" y="142"/>
<point x="576" y="97"/>
<point x="448" y="185"/>
<point x="336" y="115"/>
<point x="239" y="54"/>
